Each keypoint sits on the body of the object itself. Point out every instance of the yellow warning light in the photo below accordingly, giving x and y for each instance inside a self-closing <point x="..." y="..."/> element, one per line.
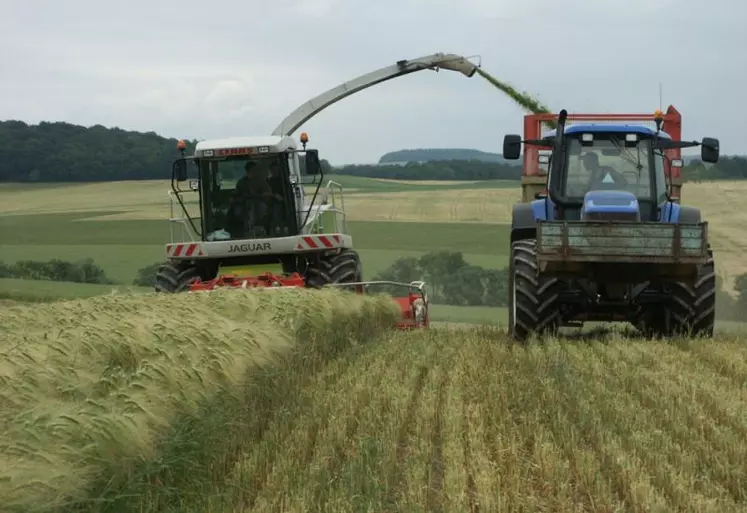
<point x="304" y="137"/>
<point x="181" y="145"/>
<point x="658" y="114"/>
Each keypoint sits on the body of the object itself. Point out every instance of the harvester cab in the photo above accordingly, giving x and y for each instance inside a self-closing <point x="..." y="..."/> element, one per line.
<point x="607" y="240"/>
<point x="256" y="225"/>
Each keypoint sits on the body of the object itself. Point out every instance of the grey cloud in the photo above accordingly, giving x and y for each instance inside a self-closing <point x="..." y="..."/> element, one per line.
<point x="196" y="69"/>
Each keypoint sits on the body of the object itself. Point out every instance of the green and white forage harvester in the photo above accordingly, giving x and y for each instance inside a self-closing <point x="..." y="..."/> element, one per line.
<point x="601" y="234"/>
<point x="250" y="222"/>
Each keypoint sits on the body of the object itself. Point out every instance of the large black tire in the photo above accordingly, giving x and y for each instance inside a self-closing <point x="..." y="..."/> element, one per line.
<point x="342" y="267"/>
<point x="692" y="310"/>
<point x="533" y="301"/>
<point x="172" y="278"/>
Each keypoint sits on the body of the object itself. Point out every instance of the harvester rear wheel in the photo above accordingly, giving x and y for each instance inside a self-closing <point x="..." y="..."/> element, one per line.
<point x="532" y="300"/>
<point x="172" y="278"/>
<point x="342" y="267"/>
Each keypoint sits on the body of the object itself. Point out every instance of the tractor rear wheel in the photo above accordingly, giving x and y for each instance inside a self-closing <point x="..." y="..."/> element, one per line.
<point x="342" y="267"/>
<point x="692" y="311"/>
<point x="533" y="305"/>
<point x="173" y="278"/>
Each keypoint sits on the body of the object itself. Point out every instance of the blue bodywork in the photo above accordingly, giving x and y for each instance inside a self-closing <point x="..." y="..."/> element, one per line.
<point x="602" y="128"/>
<point x="544" y="209"/>
<point x="610" y="201"/>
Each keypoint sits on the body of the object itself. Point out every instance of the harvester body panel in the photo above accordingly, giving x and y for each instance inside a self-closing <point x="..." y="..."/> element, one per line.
<point x="249" y="247"/>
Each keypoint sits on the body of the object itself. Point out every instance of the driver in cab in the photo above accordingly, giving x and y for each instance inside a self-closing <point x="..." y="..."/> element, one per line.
<point x="254" y="184"/>
<point x="250" y="201"/>
<point x="602" y="177"/>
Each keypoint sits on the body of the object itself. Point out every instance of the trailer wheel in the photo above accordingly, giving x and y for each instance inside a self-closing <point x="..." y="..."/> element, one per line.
<point x="342" y="267"/>
<point x="533" y="305"/>
<point x="172" y="278"/>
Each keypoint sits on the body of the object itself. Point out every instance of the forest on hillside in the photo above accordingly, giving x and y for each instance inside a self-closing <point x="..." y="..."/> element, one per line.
<point x="430" y="154"/>
<point x="63" y="152"/>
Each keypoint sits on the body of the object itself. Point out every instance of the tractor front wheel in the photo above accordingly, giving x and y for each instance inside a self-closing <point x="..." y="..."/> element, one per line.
<point x="342" y="267"/>
<point x="172" y="278"/>
<point x="532" y="300"/>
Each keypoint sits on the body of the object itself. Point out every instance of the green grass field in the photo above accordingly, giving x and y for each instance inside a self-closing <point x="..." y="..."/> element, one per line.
<point x="360" y="184"/>
<point x="123" y="226"/>
<point x="76" y="223"/>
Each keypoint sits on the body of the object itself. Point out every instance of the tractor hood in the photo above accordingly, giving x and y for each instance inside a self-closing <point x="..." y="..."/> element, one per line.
<point x="610" y="205"/>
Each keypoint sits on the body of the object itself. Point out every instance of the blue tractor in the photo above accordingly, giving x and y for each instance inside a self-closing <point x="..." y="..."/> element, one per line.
<point x="606" y="241"/>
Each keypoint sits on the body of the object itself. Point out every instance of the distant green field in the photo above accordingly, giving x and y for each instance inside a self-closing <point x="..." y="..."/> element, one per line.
<point x="469" y="314"/>
<point x="40" y="290"/>
<point x="69" y="231"/>
<point x="123" y="247"/>
<point x="362" y="184"/>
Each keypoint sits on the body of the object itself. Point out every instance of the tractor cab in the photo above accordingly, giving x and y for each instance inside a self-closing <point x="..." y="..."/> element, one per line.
<point x="608" y="171"/>
<point x="248" y="187"/>
<point x="609" y="165"/>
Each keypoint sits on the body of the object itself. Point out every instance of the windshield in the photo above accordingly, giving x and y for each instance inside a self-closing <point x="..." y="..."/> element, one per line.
<point x="608" y="164"/>
<point x="246" y="198"/>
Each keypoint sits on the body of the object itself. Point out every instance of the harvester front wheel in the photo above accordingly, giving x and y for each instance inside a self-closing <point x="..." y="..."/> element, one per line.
<point x="172" y="278"/>
<point x="532" y="300"/>
<point x="342" y="267"/>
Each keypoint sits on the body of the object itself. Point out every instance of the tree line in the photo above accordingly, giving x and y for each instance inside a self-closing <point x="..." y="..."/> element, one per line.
<point x="63" y="152"/>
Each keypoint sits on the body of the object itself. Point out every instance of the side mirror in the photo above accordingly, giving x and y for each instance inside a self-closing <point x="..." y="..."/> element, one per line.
<point x="313" y="165"/>
<point x="709" y="150"/>
<point x="511" y="147"/>
<point x="179" y="170"/>
<point x="194" y="185"/>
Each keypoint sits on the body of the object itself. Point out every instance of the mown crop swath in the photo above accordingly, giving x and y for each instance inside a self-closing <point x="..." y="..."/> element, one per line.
<point x="104" y="397"/>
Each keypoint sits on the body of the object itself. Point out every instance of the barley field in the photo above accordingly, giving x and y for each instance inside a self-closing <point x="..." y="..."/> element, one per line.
<point x="226" y="402"/>
<point x="105" y="397"/>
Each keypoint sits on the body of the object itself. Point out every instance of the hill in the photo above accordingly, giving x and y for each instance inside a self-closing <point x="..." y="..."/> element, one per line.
<point x="436" y="154"/>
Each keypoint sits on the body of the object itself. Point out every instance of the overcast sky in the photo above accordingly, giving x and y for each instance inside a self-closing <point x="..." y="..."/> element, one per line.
<point x="204" y="69"/>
